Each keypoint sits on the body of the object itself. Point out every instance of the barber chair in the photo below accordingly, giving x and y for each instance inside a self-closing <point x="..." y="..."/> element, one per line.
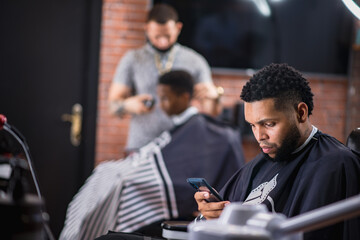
<point x="353" y="140"/>
<point x="175" y="230"/>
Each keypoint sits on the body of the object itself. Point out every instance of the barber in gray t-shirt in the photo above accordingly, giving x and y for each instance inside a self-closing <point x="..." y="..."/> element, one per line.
<point x="136" y="76"/>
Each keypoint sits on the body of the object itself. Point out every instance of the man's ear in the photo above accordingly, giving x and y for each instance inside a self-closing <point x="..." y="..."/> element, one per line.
<point x="186" y="97"/>
<point x="302" y="112"/>
<point x="179" y="26"/>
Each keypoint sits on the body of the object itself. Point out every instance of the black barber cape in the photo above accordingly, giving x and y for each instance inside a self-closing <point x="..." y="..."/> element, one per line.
<point x="324" y="172"/>
<point x="203" y="147"/>
<point x="150" y="185"/>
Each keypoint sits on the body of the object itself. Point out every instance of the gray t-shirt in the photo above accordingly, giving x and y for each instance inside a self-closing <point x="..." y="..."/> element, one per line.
<point x="137" y="70"/>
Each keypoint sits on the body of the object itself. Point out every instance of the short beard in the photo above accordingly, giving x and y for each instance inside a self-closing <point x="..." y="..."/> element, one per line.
<point x="288" y="145"/>
<point x="160" y="50"/>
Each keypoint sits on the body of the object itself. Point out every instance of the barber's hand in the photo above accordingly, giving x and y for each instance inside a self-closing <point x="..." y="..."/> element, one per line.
<point x="205" y="90"/>
<point x="208" y="97"/>
<point x="209" y="210"/>
<point x="135" y="104"/>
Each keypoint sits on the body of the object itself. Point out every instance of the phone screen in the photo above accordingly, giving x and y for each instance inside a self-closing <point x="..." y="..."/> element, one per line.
<point x="202" y="185"/>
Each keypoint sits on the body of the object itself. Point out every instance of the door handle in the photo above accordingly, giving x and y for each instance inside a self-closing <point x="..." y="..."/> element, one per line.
<point x="76" y="123"/>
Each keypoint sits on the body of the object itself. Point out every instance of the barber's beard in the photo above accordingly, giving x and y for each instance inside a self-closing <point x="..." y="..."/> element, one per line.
<point x="288" y="145"/>
<point x="160" y="50"/>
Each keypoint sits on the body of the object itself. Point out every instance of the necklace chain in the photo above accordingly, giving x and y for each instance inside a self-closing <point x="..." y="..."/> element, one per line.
<point x="164" y="68"/>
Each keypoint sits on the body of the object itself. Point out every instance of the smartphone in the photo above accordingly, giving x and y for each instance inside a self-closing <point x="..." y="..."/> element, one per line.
<point x="201" y="185"/>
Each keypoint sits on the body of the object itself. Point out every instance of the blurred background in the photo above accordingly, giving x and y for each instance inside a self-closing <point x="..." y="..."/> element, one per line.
<point x="57" y="60"/>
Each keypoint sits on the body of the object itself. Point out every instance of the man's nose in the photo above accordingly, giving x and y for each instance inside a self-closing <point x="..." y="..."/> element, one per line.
<point x="260" y="134"/>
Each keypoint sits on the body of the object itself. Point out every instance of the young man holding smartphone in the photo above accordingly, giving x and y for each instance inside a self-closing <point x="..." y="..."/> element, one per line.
<point x="300" y="168"/>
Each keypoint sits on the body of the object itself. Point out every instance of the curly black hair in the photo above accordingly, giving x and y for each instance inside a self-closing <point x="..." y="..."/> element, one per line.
<point x="180" y="81"/>
<point x="281" y="82"/>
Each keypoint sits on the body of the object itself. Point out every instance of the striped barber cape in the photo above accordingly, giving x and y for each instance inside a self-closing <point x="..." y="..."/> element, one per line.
<point x="123" y="195"/>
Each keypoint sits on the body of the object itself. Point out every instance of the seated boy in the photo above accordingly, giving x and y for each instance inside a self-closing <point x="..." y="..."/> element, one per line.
<point x="139" y="192"/>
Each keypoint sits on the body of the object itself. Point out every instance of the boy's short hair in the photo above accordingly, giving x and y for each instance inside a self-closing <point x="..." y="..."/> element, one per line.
<point x="180" y="81"/>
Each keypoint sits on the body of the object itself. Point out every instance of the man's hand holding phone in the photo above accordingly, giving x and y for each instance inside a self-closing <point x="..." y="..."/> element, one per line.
<point x="210" y="203"/>
<point x="209" y="210"/>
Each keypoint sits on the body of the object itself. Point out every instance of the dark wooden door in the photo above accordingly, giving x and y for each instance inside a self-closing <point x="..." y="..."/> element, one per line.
<point x="49" y="54"/>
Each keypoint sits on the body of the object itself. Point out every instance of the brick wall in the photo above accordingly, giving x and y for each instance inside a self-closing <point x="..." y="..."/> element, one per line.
<point x="353" y="103"/>
<point x="122" y="29"/>
<point x="353" y="106"/>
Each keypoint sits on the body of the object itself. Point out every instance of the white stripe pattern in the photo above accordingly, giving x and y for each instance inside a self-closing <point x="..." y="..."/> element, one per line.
<point x="123" y="195"/>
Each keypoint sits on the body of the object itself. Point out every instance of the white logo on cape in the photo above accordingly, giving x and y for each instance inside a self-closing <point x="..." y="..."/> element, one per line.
<point x="259" y="194"/>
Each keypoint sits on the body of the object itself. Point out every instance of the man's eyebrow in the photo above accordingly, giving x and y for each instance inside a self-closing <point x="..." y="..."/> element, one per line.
<point x="262" y="121"/>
